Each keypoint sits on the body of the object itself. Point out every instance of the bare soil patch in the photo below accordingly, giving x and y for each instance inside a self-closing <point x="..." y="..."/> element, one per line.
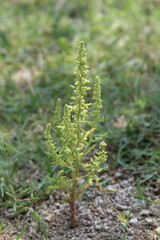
<point x="98" y="219"/>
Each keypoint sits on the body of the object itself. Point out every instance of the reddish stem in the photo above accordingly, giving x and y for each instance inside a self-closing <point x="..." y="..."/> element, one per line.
<point x="74" y="214"/>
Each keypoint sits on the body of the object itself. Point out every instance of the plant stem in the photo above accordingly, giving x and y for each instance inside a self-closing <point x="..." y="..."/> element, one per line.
<point x="74" y="215"/>
<point x="73" y="209"/>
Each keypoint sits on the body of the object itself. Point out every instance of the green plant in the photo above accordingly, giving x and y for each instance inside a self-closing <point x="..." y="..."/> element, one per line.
<point x="74" y="139"/>
<point x="1" y="225"/>
<point x="40" y="221"/>
<point x="19" y="236"/>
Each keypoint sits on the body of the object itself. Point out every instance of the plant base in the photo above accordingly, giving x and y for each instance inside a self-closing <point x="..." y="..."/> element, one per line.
<point x="74" y="215"/>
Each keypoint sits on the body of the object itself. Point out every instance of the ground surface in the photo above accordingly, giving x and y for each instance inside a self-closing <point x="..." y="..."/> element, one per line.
<point x="98" y="219"/>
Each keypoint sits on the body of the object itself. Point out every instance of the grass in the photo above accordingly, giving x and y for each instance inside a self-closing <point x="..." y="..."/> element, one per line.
<point x="37" y="49"/>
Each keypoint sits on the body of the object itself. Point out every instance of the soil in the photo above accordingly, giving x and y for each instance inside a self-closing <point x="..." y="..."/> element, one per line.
<point x="98" y="214"/>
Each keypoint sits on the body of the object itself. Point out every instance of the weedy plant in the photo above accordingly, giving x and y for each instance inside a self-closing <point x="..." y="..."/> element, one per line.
<point x="73" y="139"/>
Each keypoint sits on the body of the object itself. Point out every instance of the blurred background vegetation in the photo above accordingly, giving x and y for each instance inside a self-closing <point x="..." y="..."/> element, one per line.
<point x="38" y="40"/>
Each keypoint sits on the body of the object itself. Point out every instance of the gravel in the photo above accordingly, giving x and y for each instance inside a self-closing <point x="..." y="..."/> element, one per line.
<point x="98" y="218"/>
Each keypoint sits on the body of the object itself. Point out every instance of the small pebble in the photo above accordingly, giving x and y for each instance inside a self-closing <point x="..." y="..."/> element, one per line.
<point x="149" y="220"/>
<point x="144" y="213"/>
<point x="133" y="221"/>
<point x="109" y="210"/>
<point x="121" y="207"/>
<point x="98" y="227"/>
<point x="157" y="230"/>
